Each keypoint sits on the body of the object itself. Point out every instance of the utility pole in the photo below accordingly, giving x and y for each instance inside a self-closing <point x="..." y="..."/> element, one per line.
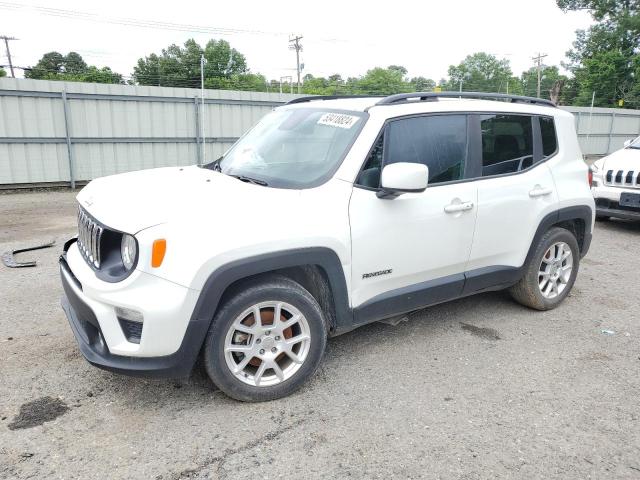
<point x="294" y="44"/>
<point x="538" y="61"/>
<point x="6" y="44"/>
<point x="202" y="113"/>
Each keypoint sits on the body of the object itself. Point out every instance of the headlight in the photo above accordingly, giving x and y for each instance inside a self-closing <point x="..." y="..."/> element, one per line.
<point x="128" y="251"/>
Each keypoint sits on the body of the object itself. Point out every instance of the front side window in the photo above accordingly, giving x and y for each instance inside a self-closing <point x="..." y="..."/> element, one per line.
<point x="438" y="141"/>
<point x="370" y="175"/>
<point x="292" y="148"/>
<point x="507" y="143"/>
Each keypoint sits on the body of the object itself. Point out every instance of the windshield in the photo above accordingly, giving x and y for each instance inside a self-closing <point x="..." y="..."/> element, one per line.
<point x="294" y="148"/>
<point x="635" y="143"/>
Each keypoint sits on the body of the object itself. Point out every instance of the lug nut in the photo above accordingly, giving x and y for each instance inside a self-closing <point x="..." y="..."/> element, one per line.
<point x="268" y="332"/>
<point x="277" y="338"/>
<point x="258" y="340"/>
<point x="261" y="351"/>
<point x="274" y="349"/>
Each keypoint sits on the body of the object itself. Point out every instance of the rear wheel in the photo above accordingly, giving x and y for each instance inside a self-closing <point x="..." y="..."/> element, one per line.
<point x="265" y="341"/>
<point x="551" y="272"/>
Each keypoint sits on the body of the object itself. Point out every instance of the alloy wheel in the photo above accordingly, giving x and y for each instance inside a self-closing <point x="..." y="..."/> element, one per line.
<point x="555" y="270"/>
<point x="267" y="343"/>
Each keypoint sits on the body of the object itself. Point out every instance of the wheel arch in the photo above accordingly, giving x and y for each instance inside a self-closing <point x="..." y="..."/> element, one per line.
<point x="577" y="220"/>
<point x="319" y="270"/>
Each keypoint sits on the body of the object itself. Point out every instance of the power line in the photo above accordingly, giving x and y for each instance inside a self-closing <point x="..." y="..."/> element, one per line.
<point x="6" y="44"/>
<point x="294" y="44"/>
<point x="79" y="15"/>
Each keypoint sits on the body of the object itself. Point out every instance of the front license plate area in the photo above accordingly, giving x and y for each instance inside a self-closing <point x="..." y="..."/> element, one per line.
<point x="630" y="200"/>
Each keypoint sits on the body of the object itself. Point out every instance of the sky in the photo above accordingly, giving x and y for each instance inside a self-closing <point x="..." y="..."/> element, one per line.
<point x="338" y="36"/>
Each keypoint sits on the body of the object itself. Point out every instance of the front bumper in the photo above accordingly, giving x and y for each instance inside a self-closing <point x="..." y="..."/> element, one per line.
<point x="607" y="202"/>
<point x="610" y="208"/>
<point x="94" y="327"/>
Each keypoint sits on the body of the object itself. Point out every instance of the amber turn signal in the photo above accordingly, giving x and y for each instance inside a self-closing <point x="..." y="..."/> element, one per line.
<point x="158" y="251"/>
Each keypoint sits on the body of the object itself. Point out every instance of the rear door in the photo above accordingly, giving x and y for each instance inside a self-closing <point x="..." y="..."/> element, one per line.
<point x="516" y="191"/>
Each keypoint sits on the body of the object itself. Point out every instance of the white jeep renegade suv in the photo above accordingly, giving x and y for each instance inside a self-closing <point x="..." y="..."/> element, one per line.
<point x="329" y="214"/>
<point x="616" y="183"/>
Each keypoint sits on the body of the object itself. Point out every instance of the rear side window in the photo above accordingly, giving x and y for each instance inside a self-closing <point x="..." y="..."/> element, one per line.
<point x="438" y="141"/>
<point x="549" y="139"/>
<point x="507" y="143"/>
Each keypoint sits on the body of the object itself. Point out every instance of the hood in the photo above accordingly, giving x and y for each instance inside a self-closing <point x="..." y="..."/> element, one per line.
<point x="133" y="201"/>
<point x="625" y="159"/>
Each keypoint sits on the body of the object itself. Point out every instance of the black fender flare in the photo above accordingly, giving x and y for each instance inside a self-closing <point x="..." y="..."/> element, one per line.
<point x="500" y="276"/>
<point x="580" y="212"/>
<point x="325" y="258"/>
<point x="224" y="276"/>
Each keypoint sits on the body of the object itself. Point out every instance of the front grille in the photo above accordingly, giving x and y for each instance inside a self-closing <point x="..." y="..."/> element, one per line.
<point x="89" y="236"/>
<point x="622" y="178"/>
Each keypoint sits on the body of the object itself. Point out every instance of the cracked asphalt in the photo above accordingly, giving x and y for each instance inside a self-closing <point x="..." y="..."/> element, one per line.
<point x="474" y="389"/>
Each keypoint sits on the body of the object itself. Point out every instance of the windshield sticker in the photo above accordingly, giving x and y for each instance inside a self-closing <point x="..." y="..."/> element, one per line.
<point x="339" y="120"/>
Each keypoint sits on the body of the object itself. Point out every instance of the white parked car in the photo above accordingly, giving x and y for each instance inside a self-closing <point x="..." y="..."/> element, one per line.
<point x="329" y="214"/>
<point x="616" y="183"/>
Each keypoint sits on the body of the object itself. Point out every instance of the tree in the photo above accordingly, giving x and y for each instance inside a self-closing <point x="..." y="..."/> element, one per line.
<point x="315" y="85"/>
<point x="481" y="72"/>
<point x="383" y="81"/>
<point x="70" y="68"/>
<point x="2" y="72"/>
<point x="225" y="67"/>
<point x="74" y="64"/>
<point x="550" y="79"/>
<point x="422" y="84"/>
<point x="50" y="63"/>
<point x="398" y="68"/>
<point x="604" y="57"/>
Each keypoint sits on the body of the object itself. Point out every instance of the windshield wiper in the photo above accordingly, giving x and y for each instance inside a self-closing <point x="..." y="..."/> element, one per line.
<point x="255" y="181"/>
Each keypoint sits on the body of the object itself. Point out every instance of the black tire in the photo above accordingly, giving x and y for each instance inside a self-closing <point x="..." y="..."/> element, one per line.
<point x="527" y="290"/>
<point x="271" y="288"/>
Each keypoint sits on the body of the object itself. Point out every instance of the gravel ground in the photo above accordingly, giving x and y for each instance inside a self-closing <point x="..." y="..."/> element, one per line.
<point x="477" y="388"/>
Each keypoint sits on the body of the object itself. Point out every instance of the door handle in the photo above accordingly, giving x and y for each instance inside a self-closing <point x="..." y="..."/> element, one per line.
<point x="458" y="207"/>
<point x="538" y="191"/>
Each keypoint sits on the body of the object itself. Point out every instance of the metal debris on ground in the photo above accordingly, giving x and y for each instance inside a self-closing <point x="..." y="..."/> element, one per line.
<point x="607" y="332"/>
<point x="395" y="321"/>
<point x="9" y="260"/>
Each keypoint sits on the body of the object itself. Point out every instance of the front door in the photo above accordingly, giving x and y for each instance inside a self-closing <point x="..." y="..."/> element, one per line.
<point x="412" y="251"/>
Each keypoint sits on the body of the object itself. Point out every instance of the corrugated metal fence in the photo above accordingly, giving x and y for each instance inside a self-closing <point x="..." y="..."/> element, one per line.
<point x="604" y="130"/>
<point x="62" y="132"/>
<point x="59" y="133"/>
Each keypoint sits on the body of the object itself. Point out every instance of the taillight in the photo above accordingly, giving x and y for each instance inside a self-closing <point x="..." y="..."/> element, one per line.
<point x="590" y="177"/>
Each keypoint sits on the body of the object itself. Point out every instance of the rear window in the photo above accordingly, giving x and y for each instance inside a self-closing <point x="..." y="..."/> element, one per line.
<point x="549" y="140"/>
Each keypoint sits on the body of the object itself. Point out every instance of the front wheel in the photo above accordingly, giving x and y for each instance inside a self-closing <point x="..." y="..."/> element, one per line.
<point x="265" y="341"/>
<point x="551" y="271"/>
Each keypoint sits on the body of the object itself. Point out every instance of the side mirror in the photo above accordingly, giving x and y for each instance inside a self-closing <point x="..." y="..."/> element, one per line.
<point x="627" y="143"/>
<point x="403" y="177"/>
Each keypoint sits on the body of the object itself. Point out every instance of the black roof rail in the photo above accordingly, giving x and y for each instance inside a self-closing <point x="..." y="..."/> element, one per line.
<point x="433" y="96"/>
<point x="312" y="98"/>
